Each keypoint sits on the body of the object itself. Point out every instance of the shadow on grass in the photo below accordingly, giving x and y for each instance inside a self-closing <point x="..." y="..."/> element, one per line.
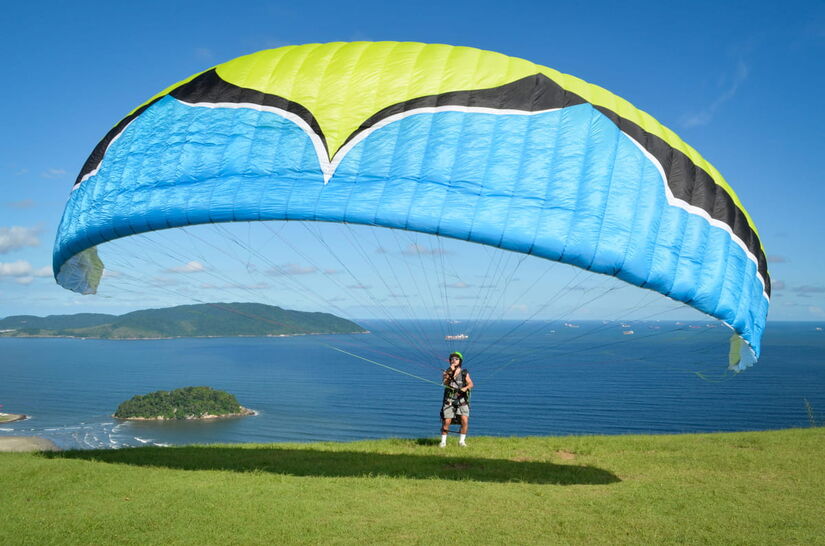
<point x="306" y="461"/>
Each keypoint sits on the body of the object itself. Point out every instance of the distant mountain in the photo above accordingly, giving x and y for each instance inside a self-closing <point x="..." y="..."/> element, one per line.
<point x="201" y="320"/>
<point x="55" y="322"/>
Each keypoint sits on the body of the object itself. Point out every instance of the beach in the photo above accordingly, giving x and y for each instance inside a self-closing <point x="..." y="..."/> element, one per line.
<point x="26" y="443"/>
<point x="23" y="443"/>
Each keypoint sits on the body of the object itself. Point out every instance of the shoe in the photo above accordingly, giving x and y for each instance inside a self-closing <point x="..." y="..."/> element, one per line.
<point x="442" y="445"/>
<point x="462" y="444"/>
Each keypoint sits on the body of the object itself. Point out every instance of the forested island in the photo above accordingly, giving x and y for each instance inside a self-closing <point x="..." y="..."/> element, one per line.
<point x="200" y="320"/>
<point x="181" y="404"/>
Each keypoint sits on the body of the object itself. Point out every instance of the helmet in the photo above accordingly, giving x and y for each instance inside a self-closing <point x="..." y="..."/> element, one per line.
<point x="459" y="355"/>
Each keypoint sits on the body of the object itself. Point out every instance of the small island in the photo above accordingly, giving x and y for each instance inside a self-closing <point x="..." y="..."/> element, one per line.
<point x="187" y="403"/>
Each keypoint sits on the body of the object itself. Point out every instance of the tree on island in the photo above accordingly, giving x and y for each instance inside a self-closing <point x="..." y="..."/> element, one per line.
<point x="185" y="403"/>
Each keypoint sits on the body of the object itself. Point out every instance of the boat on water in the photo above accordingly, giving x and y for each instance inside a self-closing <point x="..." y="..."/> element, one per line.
<point x="457" y="337"/>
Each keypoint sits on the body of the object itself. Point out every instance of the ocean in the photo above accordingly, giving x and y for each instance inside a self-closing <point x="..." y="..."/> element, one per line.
<point x="531" y="379"/>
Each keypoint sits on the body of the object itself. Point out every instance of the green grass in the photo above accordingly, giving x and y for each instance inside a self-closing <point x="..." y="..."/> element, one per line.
<point x="739" y="488"/>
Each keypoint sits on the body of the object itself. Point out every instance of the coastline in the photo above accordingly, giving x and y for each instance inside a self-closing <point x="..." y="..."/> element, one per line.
<point x="181" y="337"/>
<point x="21" y="444"/>
<point x="244" y="413"/>
<point x="12" y="417"/>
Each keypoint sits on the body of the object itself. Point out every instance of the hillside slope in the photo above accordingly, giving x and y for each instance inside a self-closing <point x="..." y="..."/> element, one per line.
<point x="200" y="320"/>
<point x="732" y="488"/>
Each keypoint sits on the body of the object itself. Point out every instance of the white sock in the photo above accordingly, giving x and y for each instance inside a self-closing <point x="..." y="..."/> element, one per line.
<point x="461" y="438"/>
<point x="443" y="438"/>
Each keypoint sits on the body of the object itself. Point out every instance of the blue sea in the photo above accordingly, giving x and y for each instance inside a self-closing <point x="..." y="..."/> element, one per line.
<point x="531" y="379"/>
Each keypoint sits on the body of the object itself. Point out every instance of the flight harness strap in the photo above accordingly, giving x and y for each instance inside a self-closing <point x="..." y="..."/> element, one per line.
<point x="463" y="398"/>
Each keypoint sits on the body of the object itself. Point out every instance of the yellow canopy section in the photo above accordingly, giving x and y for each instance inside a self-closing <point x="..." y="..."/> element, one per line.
<point x="343" y="84"/>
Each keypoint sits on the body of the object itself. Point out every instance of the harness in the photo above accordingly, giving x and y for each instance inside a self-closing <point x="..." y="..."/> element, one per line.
<point x="454" y="397"/>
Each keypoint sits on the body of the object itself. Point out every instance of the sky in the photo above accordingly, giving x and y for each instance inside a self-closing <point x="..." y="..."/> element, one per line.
<point x="739" y="81"/>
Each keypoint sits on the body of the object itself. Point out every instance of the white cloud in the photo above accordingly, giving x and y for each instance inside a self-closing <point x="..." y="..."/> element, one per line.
<point x="415" y="248"/>
<point x="53" y="173"/>
<point x="816" y="311"/>
<point x="256" y="286"/>
<point x="809" y="289"/>
<point x="12" y="238"/>
<point x="291" y="269"/>
<point x="20" y="268"/>
<point x="730" y="87"/>
<point x="22" y="271"/>
<point x="459" y="284"/>
<point x="164" y="282"/>
<point x="24" y="204"/>
<point x="190" y="267"/>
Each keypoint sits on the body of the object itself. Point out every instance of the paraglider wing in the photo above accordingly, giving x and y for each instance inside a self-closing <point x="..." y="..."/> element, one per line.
<point x="446" y="140"/>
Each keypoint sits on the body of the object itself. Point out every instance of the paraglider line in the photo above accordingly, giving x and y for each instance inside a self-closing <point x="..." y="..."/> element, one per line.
<point x="382" y="365"/>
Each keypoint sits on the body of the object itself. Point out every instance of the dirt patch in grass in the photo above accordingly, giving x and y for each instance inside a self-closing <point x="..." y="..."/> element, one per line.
<point x="522" y="459"/>
<point x="565" y="455"/>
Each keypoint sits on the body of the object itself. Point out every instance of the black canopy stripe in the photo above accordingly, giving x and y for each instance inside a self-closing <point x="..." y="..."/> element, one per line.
<point x="208" y="87"/>
<point x="100" y="150"/>
<point x="687" y="181"/>
<point x="693" y="185"/>
<point x="530" y="94"/>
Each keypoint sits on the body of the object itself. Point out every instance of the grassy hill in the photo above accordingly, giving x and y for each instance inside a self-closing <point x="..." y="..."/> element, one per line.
<point x="201" y="320"/>
<point x="736" y="488"/>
